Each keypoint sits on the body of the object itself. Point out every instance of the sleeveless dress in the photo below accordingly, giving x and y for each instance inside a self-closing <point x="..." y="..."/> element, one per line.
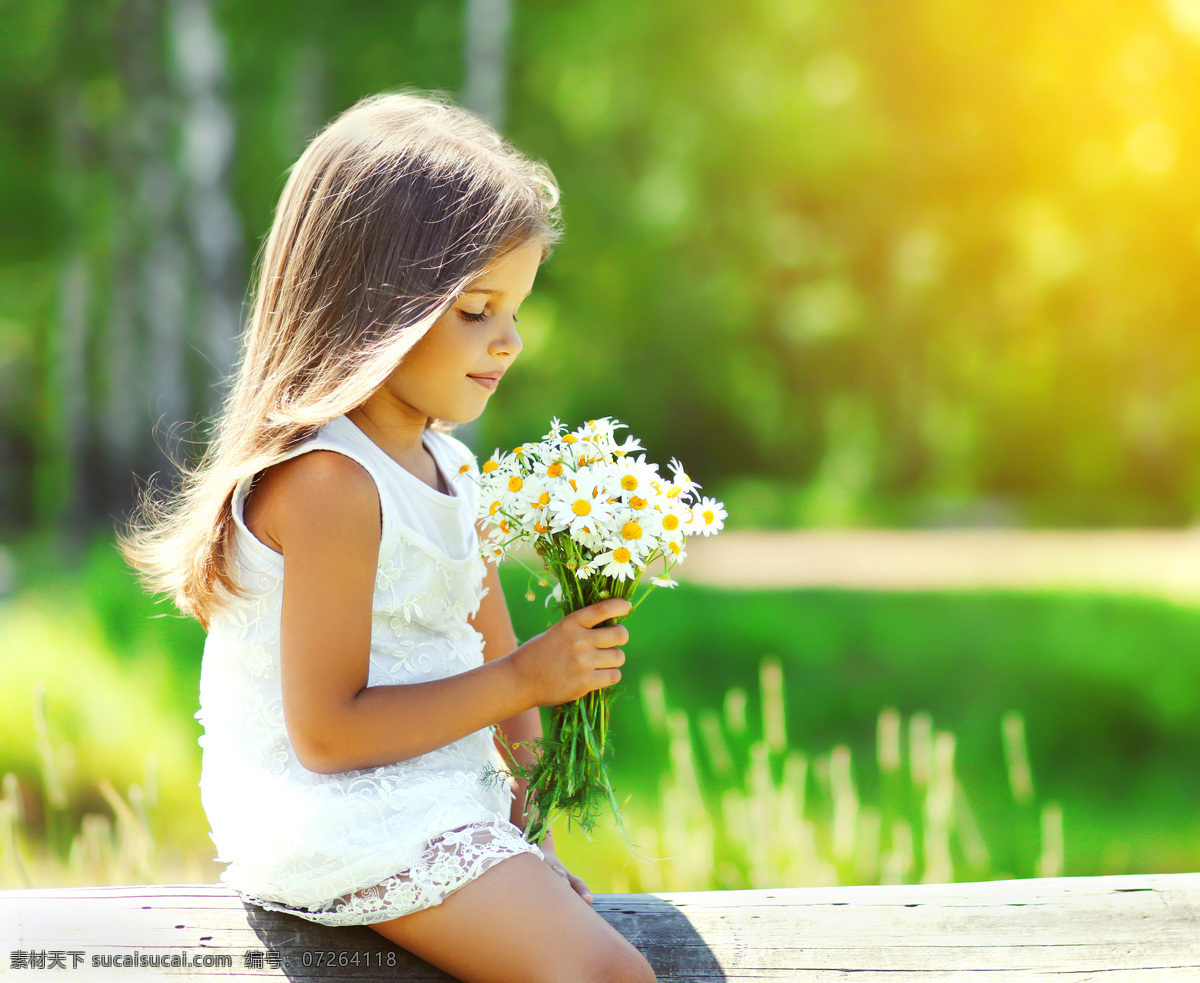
<point x="372" y="844"/>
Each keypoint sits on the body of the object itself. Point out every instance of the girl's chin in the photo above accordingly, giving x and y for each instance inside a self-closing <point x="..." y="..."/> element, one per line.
<point x="462" y="416"/>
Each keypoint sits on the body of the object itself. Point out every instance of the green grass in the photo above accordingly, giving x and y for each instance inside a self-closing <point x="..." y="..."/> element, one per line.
<point x="1104" y="684"/>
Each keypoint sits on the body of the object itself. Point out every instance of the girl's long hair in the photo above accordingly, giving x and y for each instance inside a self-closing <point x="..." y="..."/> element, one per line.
<point x="387" y="215"/>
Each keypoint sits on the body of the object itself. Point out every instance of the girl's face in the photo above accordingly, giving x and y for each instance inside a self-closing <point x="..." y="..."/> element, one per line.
<point x="450" y="373"/>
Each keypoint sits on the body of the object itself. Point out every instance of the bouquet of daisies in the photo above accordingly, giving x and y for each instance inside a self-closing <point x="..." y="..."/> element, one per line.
<point x="599" y="515"/>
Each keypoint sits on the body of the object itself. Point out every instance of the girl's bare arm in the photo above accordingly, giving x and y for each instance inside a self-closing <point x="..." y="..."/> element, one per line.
<point x="321" y="510"/>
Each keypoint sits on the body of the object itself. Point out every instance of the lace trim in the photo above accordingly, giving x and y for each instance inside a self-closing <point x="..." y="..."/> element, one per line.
<point x="446" y="864"/>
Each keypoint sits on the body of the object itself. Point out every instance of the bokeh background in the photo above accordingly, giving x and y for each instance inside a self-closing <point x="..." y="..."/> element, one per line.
<point x="905" y="265"/>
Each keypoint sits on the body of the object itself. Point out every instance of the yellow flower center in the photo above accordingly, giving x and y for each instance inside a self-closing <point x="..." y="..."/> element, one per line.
<point x="554" y="470"/>
<point x="543" y="501"/>
<point x="504" y="526"/>
<point x="637" y="503"/>
<point x="489" y="467"/>
<point x="582" y="460"/>
<point x="520" y="449"/>
<point x="631" y="530"/>
<point x="708" y="517"/>
<point x="464" y="469"/>
<point x="622" y="555"/>
<point x="629" y="482"/>
<point x="494" y="507"/>
<point x="674" y="548"/>
<point x="582" y="507"/>
<point x="515" y="483"/>
<point x="670" y="522"/>
<point x="674" y="492"/>
<point x="570" y="438"/>
<point x="540" y="527"/>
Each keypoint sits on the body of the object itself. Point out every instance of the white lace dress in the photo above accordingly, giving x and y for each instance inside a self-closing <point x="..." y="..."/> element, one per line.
<point x="369" y="845"/>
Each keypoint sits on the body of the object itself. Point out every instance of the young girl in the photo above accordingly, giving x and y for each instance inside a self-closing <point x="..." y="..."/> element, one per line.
<point x="358" y="654"/>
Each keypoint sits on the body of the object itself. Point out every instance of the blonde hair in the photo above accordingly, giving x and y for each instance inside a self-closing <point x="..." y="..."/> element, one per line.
<point x="390" y="211"/>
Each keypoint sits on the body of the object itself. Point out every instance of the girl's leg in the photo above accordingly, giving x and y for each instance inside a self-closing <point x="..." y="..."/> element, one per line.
<point x="519" y="922"/>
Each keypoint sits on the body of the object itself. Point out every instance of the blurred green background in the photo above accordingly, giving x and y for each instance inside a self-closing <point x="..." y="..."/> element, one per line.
<point x="909" y="264"/>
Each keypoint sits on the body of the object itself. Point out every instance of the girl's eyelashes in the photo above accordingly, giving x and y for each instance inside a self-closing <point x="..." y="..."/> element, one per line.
<point x="481" y="316"/>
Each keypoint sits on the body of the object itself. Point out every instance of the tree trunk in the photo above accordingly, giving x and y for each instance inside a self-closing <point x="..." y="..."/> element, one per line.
<point x="152" y="279"/>
<point x="486" y="58"/>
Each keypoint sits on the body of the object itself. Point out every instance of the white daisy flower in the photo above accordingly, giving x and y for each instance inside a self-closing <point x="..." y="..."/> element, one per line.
<point x="627" y="446"/>
<point x="632" y="535"/>
<point x="680" y="479"/>
<point x="708" y="517"/>
<point x="664" y="581"/>
<point x="532" y="504"/>
<point x="601" y="431"/>
<point x="553" y="467"/>
<point x="591" y="537"/>
<point x="512" y="492"/>
<point x="618" y="564"/>
<point x="491" y="508"/>
<point x="491" y="464"/>
<point x="633" y="478"/>
<point x="582" y="502"/>
<point x="675" y="552"/>
<point x="668" y="521"/>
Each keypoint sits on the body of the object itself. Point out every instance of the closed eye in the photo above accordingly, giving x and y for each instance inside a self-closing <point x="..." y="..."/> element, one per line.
<point x="481" y="316"/>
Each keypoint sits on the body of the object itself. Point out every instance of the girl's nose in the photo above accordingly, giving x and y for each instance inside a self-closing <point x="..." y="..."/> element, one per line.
<point x="507" y="343"/>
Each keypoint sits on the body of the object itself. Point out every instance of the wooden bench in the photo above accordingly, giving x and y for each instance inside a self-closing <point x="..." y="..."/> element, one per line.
<point x="1133" y="929"/>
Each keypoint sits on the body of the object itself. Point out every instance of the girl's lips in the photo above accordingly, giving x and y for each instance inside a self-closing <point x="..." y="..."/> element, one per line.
<point x="488" y="382"/>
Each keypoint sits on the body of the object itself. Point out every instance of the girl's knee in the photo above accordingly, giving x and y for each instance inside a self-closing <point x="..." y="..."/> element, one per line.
<point x="637" y="970"/>
<point x="620" y="963"/>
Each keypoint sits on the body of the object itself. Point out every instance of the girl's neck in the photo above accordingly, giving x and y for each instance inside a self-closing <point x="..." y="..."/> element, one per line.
<point x="401" y="439"/>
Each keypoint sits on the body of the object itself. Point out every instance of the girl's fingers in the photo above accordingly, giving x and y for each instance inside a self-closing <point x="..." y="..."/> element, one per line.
<point x="611" y="637"/>
<point x="577" y="883"/>
<point x="593" y="614"/>
<point x="580" y="887"/>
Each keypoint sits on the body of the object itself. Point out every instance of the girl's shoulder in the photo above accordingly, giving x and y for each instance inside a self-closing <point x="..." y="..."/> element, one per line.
<point x="304" y="493"/>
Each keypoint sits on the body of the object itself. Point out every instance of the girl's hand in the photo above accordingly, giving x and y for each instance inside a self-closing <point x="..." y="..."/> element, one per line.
<point x="574" y="657"/>
<point x="560" y="868"/>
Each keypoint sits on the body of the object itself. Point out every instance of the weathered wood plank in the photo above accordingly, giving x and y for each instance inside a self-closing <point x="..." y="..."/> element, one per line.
<point x="1138" y="929"/>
